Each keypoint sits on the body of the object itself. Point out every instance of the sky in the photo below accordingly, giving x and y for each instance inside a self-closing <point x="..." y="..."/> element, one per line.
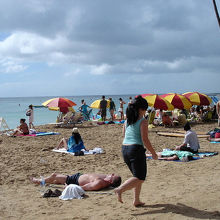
<point x="108" y="47"/>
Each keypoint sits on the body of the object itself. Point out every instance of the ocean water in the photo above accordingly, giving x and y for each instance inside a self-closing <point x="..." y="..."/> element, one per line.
<point x="13" y="109"/>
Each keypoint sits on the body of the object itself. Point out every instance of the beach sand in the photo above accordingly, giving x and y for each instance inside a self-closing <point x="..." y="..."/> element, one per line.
<point x="173" y="190"/>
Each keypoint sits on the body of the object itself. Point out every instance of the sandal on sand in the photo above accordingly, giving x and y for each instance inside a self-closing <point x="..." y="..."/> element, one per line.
<point x="47" y="193"/>
<point x="56" y="193"/>
<point x="50" y="193"/>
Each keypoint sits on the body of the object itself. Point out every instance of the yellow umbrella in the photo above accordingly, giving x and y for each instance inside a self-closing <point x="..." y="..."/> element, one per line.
<point x="198" y="98"/>
<point x="96" y="104"/>
<point x="158" y="102"/>
<point x="177" y="100"/>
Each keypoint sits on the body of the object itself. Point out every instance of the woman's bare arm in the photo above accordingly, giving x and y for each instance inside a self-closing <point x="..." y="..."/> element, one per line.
<point x="145" y="139"/>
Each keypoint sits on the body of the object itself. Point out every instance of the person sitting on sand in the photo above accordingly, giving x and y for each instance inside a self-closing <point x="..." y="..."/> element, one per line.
<point x="167" y="122"/>
<point x="191" y="142"/>
<point x="89" y="182"/>
<point x="22" y="129"/>
<point x="73" y="144"/>
<point x="170" y="155"/>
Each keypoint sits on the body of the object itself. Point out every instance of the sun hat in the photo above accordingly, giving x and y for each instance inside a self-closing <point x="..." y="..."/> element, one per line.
<point x="75" y="130"/>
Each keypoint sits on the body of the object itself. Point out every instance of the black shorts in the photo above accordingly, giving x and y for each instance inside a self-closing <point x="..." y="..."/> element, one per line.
<point x="184" y="148"/>
<point x="103" y="112"/>
<point x="73" y="179"/>
<point x="135" y="158"/>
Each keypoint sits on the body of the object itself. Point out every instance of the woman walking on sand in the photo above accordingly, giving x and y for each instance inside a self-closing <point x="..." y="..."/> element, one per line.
<point x="136" y="137"/>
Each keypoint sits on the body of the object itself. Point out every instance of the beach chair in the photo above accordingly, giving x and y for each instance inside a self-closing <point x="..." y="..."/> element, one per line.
<point x="3" y="126"/>
<point x="72" y="118"/>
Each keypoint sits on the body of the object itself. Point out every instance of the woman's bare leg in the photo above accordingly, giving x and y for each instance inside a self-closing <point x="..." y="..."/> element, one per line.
<point x="127" y="185"/>
<point x="63" y="143"/>
<point x="137" y="191"/>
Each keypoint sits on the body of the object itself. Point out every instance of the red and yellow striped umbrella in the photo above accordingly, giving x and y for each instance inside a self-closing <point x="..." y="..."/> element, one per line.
<point x="197" y="98"/>
<point x="61" y="104"/>
<point x="158" y="102"/>
<point x="177" y="100"/>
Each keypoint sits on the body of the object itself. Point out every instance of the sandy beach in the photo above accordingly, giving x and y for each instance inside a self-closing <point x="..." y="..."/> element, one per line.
<point x="173" y="190"/>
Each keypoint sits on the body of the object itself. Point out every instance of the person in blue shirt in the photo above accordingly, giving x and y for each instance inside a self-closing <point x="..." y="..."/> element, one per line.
<point x="133" y="148"/>
<point x="84" y="109"/>
<point x="73" y="144"/>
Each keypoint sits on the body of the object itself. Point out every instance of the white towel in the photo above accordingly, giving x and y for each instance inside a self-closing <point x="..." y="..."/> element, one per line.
<point x="72" y="191"/>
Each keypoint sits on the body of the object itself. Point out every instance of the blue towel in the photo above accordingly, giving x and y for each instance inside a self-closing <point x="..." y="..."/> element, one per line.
<point x="46" y="133"/>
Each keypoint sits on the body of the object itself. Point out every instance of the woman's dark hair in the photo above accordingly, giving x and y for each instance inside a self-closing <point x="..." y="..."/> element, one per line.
<point x="30" y="106"/>
<point x="77" y="137"/>
<point x="23" y="120"/>
<point x="132" y="111"/>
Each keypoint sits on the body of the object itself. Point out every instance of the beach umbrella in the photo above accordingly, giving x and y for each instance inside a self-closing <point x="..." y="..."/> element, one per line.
<point x="144" y="95"/>
<point x="177" y="100"/>
<point x="197" y="98"/>
<point x="158" y="102"/>
<point x="96" y="104"/>
<point x="61" y="104"/>
<point x="65" y="109"/>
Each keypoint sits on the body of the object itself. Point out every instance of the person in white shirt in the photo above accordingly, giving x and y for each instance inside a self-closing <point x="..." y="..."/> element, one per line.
<point x="191" y="142"/>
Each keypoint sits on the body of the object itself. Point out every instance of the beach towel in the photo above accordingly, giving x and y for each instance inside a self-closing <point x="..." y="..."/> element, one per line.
<point x="196" y="156"/>
<point x="39" y="134"/>
<point x="172" y="134"/>
<point x="96" y="150"/>
<point x="72" y="191"/>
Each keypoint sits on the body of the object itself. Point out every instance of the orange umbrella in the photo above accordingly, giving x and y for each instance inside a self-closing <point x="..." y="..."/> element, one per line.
<point x="157" y="102"/>
<point x="197" y="98"/>
<point x="177" y="100"/>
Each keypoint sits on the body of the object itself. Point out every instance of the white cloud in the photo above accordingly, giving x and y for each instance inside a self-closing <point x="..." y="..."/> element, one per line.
<point x="109" y="38"/>
<point x="11" y="66"/>
<point x="100" y="70"/>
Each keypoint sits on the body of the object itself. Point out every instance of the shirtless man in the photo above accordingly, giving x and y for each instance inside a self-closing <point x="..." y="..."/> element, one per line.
<point x="89" y="182"/>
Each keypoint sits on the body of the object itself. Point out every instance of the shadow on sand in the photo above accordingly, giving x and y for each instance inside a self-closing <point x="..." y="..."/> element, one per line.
<point x="180" y="209"/>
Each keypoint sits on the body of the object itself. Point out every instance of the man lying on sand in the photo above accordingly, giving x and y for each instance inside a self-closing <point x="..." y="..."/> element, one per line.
<point x="89" y="182"/>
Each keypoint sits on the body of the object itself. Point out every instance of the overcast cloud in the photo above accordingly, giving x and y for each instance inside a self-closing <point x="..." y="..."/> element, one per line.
<point x="89" y="47"/>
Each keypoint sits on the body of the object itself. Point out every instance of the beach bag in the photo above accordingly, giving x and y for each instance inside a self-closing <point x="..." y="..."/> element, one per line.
<point x="213" y="132"/>
<point x="28" y="113"/>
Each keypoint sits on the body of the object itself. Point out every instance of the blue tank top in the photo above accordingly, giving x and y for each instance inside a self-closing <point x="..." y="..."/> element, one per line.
<point x="133" y="134"/>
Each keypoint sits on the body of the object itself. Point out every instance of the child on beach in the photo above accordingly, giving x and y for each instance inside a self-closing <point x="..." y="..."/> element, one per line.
<point x="133" y="150"/>
<point x="22" y="129"/>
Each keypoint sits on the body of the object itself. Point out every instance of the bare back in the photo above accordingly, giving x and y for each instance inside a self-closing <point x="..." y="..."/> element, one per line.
<point x="90" y="177"/>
